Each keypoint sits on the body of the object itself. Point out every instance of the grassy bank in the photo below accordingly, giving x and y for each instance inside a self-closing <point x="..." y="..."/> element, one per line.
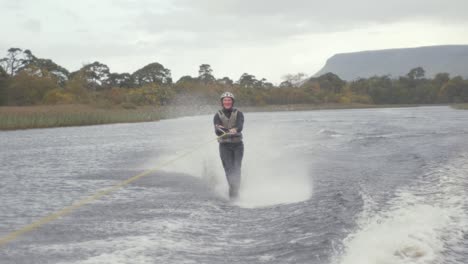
<point x="460" y="106"/>
<point x="26" y="117"/>
<point x="71" y="115"/>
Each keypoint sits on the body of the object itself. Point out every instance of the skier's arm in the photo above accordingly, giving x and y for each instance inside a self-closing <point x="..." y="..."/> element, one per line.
<point x="218" y="125"/>
<point x="239" y="122"/>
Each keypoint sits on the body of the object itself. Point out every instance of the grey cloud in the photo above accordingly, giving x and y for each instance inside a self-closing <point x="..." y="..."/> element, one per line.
<point x="219" y="29"/>
<point x="32" y="25"/>
<point x="234" y="21"/>
<point x="315" y="16"/>
<point x="333" y="10"/>
<point x="12" y="5"/>
<point x="114" y="29"/>
<point x="72" y="14"/>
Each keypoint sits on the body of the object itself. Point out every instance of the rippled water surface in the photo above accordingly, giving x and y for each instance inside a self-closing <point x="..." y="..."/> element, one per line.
<point x="336" y="186"/>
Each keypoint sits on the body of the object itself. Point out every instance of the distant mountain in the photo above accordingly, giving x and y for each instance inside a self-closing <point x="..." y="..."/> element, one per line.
<point x="452" y="59"/>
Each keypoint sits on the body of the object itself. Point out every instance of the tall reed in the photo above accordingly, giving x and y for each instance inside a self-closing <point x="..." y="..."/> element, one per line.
<point x="71" y="115"/>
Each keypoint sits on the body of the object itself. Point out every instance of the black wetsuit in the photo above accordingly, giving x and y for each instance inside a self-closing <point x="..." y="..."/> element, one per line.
<point x="231" y="153"/>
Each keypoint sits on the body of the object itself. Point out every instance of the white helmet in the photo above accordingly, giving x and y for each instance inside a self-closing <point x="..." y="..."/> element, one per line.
<point x="227" y="94"/>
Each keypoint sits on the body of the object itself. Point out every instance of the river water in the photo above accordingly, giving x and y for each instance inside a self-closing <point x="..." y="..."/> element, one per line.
<point x="359" y="186"/>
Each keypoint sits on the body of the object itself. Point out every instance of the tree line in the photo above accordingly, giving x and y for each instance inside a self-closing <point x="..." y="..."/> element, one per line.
<point x="28" y="80"/>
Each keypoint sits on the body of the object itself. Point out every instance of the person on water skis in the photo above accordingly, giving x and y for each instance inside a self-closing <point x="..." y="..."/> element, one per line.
<point x="229" y="123"/>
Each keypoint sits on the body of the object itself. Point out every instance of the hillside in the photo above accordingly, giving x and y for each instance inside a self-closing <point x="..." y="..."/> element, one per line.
<point x="452" y="59"/>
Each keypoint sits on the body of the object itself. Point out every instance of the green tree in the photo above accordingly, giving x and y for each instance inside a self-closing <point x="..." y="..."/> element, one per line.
<point x="3" y="86"/>
<point x="27" y="89"/>
<point x="247" y="81"/>
<point x="77" y="86"/>
<point x="25" y="60"/>
<point x="186" y="84"/>
<point x="96" y="75"/>
<point x="360" y="86"/>
<point x="225" y="81"/>
<point x="329" y="82"/>
<point x="441" y="79"/>
<point x="14" y="61"/>
<point x="294" y="79"/>
<point x="286" y="84"/>
<point x="151" y="94"/>
<point x="58" y="96"/>
<point x="455" y="90"/>
<point x="121" y="80"/>
<point x="411" y="88"/>
<point x="416" y="73"/>
<point x="425" y="92"/>
<point x="264" y="83"/>
<point x="152" y="73"/>
<point x="3" y="73"/>
<point x="380" y="90"/>
<point x="205" y="74"/>
<point x="60" y="73"/>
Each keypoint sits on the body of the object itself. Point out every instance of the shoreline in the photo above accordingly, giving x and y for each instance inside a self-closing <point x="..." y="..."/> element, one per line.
<point x="50" y="116"/>
<point x="460" y="106"/>
<point x="330" y="107"/>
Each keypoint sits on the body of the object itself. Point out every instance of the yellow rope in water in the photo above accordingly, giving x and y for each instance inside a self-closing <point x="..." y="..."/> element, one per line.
<point x="47" y="219"/>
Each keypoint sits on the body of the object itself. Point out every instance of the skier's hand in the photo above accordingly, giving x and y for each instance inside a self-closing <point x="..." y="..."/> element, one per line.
<point x="232" y="131"/>
<point x="221" y="128"/>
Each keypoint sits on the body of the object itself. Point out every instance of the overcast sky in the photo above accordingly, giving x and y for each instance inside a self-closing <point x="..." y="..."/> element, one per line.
<point x="266" y="38"/>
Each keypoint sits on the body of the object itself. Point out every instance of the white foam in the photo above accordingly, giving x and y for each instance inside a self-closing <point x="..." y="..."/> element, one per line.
<point x="164" y="237"/>
<point x="274" y="180"/>
<point x="421" y="223"/>
<point x="266" y="258"/>
<point x="272" y="170"/>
